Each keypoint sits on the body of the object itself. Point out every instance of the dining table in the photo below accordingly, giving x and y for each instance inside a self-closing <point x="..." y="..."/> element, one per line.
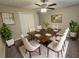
<point x="44" y="35"/>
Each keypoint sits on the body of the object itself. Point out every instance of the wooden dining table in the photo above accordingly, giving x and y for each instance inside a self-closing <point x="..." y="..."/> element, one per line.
<point x="43" y="38"/>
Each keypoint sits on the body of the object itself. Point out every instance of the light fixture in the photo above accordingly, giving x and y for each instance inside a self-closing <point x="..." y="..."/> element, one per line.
<point x="43" y="10"/>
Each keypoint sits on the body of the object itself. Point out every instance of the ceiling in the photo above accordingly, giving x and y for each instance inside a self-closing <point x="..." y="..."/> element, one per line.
<point x="30" y="3"/>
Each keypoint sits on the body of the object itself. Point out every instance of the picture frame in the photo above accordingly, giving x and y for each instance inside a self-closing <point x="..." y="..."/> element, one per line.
<point x="8" y="18"/>
<point x="57" y="18"/>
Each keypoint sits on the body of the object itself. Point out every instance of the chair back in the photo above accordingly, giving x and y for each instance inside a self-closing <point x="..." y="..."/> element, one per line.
<point x="61" y="42"/>
<point x="32" y="29"/>
<point x="53" y="26"/>
<point x="39" y="27"/>
<point x="66" y="31"/>
<point x="27" y="44"/>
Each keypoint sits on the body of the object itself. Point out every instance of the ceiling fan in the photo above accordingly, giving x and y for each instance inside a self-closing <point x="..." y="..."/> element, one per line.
<point x="45" y="6"/>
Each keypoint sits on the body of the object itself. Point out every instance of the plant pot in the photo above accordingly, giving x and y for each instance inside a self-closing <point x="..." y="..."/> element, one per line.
<point x="73" y="34"/>
<point x="10" y="42"/>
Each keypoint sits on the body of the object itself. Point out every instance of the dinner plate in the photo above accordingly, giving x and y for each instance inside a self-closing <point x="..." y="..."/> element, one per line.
<point x="55" y="30"/>
<point x="48" y="34"/>
<point x="37" y="35"/>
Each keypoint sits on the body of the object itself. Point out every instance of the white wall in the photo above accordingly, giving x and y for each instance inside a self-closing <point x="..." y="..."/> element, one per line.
<point x="69" y="13"/>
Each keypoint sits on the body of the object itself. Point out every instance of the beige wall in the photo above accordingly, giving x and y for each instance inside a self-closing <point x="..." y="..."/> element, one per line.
<point x="16" y="28"/>
<point x="2" y="49"/>
<point x="69" y="13"/>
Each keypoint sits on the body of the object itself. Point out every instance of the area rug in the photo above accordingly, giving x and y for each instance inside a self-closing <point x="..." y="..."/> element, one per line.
<point x="43" y="52"/>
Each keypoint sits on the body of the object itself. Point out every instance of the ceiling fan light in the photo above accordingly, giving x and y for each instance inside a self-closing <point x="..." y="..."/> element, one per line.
<point x="43" y="10"/>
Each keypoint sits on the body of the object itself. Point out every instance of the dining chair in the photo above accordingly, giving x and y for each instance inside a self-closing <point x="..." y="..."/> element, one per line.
<point x="39" y="28"/>
<point x="58" y="46"/>
<point x="58" y="36"/>
<point x="31" y="29"/>
<point x="53" y="27"/>
<point x="30" y="47"/>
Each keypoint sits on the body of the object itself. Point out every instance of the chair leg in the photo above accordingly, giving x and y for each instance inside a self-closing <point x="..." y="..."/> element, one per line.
<point x="58" y="54"/>
<point x="39" y="51"/>
<point x="30" y="54"/>
<point x="61" y="53"/>
<point x="64" y="43"/>
<point x="47" y="52"/>
<point x="63" y="48"/>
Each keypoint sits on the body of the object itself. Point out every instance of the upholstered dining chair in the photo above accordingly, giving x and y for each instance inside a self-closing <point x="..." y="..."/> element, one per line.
<point x="58" y="46"/>
<point x="39" y="28"/>
<point x="30" y="47"/>
<point x="31" y="29"/>
<point x="53" y="27"/>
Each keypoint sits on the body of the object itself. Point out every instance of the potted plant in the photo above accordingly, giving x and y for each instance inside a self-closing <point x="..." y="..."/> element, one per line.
<point x="73" y="28"/>
<point x="6" y="35"/>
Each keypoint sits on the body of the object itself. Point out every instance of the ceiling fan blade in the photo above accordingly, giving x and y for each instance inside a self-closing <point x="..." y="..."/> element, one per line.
<point x="52" y="4"/>
<point x="51" y="8"/>
<point x="37" y="4"/>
